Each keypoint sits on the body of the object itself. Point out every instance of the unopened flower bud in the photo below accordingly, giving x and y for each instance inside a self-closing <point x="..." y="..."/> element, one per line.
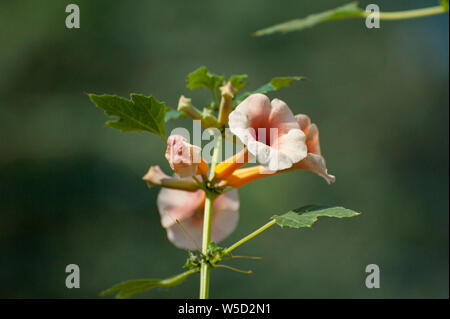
<point x="227" y="93"/>
<point x="185" y="105"/>
<point x="156" y="177"/>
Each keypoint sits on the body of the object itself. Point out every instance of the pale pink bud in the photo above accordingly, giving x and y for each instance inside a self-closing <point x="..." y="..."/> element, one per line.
<point x="183" y="157"/>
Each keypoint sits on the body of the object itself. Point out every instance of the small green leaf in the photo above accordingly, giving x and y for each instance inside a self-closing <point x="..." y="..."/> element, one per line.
<point x="349" y="10"/>
<point x="215" y="251"/>
<point x="202" y="78"/>
<point x="307" y="215"/>
<point x="192" y="261"/>
<point x="132" y="287"/>
<point x="213" y="248"/>
<point x="172" y="114"/>
<point x="277" y="83"/>
<point x="139" y="114"/>
<point x="238" y="81"/>
<point x="444" y="4"/>
<point x="274" y="85"/>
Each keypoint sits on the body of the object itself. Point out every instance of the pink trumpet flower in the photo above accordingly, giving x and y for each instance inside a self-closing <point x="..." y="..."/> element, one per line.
<point x="187" y="208"/>
<point x="313" y="162"/>
<point x="270" y="132"/>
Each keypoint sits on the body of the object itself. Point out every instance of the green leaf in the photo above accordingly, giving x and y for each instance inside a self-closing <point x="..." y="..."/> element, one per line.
<point x="444" y="4"/>
<point x="349" y="10"/>
<point x="307" y="215"/>
<point x="277" y="83"/>
<point x="132" y="287"/>
<point x="141" y="113"/>
<point x="192" y="261"/>
<point x="238" y="81"/>
<point x="202" y="78"/>
<point x="215" y="251"/>
<point x="274" y="85"/>
<point x="172" y="114"/>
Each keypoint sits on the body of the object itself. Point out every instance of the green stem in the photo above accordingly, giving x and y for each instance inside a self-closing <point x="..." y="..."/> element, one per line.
<point x="246" y="238"/>
<point x="205" y="268"/>
<point x="408" y="14"/>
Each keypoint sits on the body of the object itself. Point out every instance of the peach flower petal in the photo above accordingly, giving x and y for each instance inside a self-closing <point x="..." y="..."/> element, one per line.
<point x="304" y="122"/>
<point x="315" y="163"/>
<point x="188" y="209"/>
<point x="269" y="130"/>
<point x="312" y="140"/>
<point x="176" y="204"/>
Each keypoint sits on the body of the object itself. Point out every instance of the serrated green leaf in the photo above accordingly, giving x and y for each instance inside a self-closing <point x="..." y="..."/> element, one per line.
<point x="238" y="81"/>
<point x="132" y="287"/>
<point x="141" y="113"/>
<point x="349" y="10"/>
<point x="202" y="78"/>
<point x="307" y="215"/>
<point x="274" y="85"/>
<point x="172" y="114"/>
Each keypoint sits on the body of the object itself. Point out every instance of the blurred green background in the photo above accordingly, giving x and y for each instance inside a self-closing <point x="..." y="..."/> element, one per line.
<point x="71" y="189"/>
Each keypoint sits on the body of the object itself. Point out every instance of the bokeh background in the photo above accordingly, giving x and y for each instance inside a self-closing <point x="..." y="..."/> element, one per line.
<point x="71" y="188"/>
